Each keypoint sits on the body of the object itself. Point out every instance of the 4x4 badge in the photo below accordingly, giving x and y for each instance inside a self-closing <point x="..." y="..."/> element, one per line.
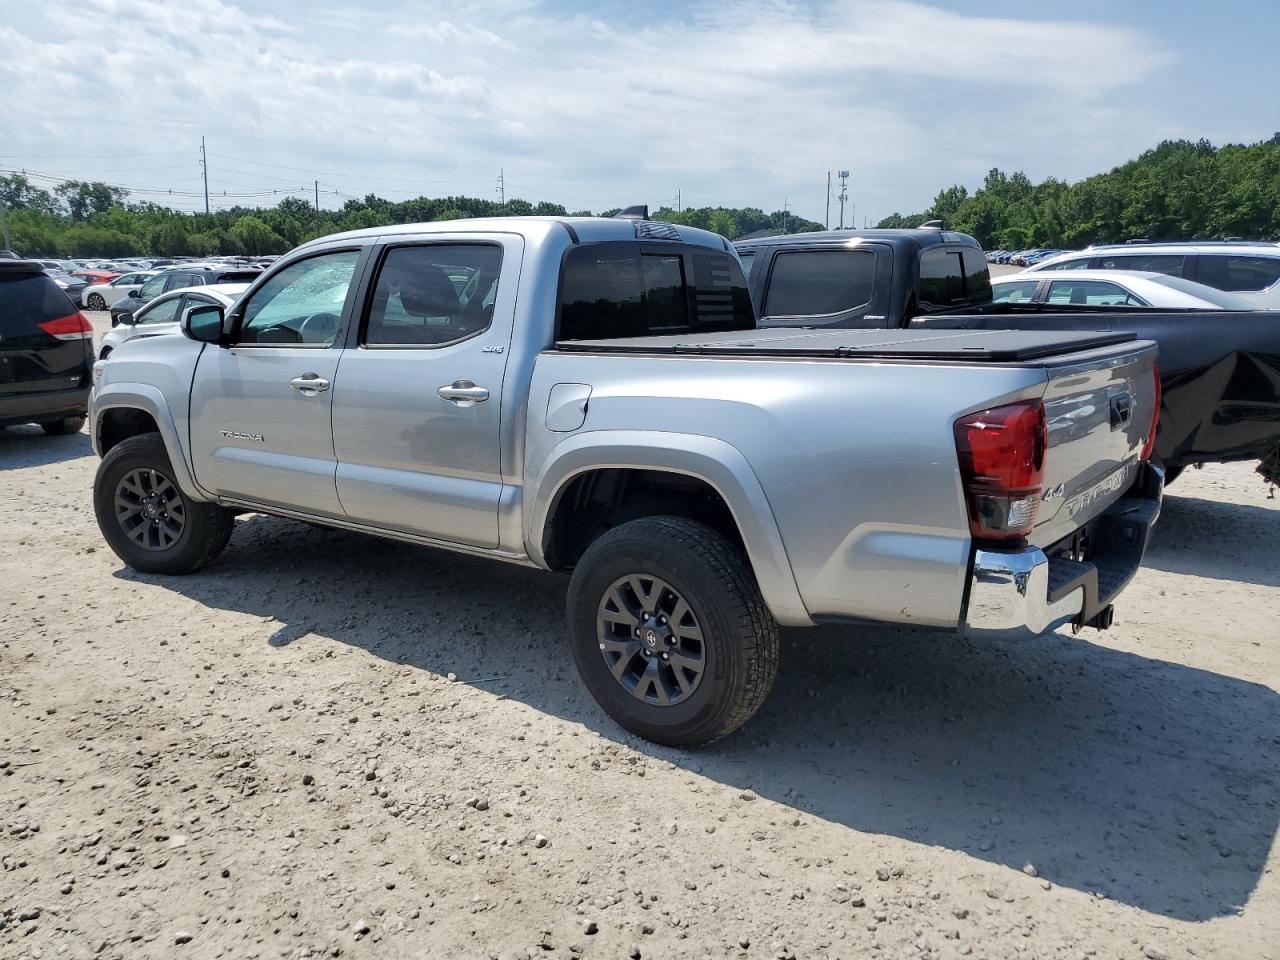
<point x="1052" y="493"/>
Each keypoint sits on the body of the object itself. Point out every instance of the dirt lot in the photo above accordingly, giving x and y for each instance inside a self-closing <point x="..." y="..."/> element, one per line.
<point x="328" y="745"/>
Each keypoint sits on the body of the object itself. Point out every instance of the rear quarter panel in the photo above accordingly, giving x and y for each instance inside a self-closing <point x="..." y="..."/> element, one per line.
<point x="857" y="460"/>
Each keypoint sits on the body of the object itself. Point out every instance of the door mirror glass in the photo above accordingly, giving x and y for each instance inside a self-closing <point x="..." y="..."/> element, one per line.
<point x="202" y="323"/>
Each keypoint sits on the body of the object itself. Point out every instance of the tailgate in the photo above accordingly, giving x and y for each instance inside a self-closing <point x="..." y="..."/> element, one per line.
<point x="1099" y="410"/>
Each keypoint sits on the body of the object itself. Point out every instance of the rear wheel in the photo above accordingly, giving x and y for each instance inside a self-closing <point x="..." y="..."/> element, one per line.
<point x="58" y="428"/>
<point x="149" y="523"/>
<point x="669" y="631"/>
<point x="96" y="302"/>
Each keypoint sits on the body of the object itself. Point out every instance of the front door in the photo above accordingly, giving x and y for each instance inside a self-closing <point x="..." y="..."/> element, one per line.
<point x="261" y="408"/>
<point x="417" y="409"/>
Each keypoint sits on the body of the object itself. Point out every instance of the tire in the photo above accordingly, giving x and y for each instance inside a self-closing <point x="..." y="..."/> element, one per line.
<point x="60" y="428"/>
<point x="135" y="482"/>
<point x="106" y="352"/>
<point x="725" y="628"/>
<point x="96" y="302"/>
<point x="1171" y="474"/>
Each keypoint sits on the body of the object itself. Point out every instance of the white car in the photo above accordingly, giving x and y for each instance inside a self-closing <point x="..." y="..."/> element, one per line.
<point x="160" y="316"/>
<point x="100" y="296"/>
<point x="1251" y="271"/>
<point x="1112" y="288"/>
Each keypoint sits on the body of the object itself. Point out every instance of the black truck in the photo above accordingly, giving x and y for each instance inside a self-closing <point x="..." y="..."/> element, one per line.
<point x="1219" y="369"/>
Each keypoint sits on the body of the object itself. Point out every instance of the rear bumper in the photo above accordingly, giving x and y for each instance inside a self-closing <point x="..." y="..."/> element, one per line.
<point x="1020" y="594"/>
<point x="39" y="407"/>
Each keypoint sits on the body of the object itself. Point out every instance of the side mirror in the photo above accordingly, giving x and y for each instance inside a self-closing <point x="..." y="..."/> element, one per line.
<point x="134" y="293"/>
<point x="202" y="323"/>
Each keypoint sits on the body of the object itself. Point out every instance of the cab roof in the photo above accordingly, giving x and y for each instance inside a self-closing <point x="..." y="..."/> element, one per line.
<point x="906" y="238"/>
<point x="575" y="229"/>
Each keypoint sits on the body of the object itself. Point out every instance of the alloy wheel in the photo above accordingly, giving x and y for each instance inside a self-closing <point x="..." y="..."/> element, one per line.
<point x="651" y="640"/>
<point x="150" y="509"/>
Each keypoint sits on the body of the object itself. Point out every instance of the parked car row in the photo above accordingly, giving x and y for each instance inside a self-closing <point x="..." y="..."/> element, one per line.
<point x="1250" y="270"/>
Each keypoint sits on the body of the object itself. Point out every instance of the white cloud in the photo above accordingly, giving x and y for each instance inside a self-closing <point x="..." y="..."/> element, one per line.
<point x="733" y="104"/>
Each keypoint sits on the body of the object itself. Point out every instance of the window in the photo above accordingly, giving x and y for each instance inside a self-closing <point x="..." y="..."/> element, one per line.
<point x="1170" y="263"/>
<point x="623" y="289"/>
<point x="302" y="303"/>
<point x="748" y="260"/>
<point x="1018" y="291"/>
<point x="166" y="311"/>
<point x="812" y="283"/>
<point x="1242" y="273"/>
<point x="1097" y="293"/>
<point x="128" y="280"/>
<point x="432" y="295"/>
<point x="152" y="288"/>
<point x="951" y="277"/>
<point x="179" y="280"/>
<point x="1080" y="263"/>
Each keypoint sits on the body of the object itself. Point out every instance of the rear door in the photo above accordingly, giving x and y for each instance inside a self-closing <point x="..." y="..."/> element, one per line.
<point x="417" y="405"/>
<point x="36" y="358"/>
<point x="260" y="409"/>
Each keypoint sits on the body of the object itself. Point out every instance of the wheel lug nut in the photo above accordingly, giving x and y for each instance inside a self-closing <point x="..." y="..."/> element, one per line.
<point x="665" y="655"/>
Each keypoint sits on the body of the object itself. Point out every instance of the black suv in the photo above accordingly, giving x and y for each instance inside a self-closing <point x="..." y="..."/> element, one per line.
<point x="178" y="278"/>
<point x="46" y="351"/>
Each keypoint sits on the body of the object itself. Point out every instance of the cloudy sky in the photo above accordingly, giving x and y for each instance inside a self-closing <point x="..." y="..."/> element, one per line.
<point x="612" y="103"/>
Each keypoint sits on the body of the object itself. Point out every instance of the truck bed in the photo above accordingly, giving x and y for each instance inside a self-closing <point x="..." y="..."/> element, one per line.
<point x="965" y="346"/>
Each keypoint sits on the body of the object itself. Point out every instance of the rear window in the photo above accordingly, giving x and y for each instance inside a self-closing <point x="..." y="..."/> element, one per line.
<point x="950" y="278"/>
<point x="28" y="298"/>
<point x="624" y="289"/>
<point x="819" y="283"/>
<point x="1242" y="273"/>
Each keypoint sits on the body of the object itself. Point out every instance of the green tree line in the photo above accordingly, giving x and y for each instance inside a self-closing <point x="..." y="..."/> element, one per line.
<point x="1181" y="190"/>
<point x="91" y="219"/>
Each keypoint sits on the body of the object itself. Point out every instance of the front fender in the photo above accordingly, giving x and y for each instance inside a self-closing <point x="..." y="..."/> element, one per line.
<point x="705" y="458"/>
<point x="148" y="399"/>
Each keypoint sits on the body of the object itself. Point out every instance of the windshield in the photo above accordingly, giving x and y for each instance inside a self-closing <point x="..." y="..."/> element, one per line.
<point x="1226" y="301"/>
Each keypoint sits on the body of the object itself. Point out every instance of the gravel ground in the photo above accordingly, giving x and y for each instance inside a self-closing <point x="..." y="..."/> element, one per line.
<point x="326" y="745"/>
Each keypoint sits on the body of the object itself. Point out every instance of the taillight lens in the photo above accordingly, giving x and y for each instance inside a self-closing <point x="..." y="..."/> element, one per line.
<point x="1001" y="454"/>
<point x="73" y="326"/>
<point x="1150" y="445"/>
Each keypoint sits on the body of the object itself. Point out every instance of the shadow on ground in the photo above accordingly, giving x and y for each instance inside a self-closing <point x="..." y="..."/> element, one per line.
<point x="29" y="446"/>
<point x="1150" y="782"/>
<point x="1243" y="539"/>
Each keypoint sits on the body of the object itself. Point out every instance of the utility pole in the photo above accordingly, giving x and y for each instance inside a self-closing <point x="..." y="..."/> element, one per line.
<point x="4" y="225"/>
<point x="828" y="199"/>
<point x="786" y="202"/>
<point x="844" y="193"/>
<point x="317" y="183"/>
<point x="502" y="192"/>
<point x="679" y="208"/>
<point x="204" y="166"/>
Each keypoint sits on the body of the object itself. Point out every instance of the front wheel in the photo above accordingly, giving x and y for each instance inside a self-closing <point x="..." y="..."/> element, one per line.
<point x="669" y="631"/>
<point x="149" y="523"/>
<point x="96" y="302"/>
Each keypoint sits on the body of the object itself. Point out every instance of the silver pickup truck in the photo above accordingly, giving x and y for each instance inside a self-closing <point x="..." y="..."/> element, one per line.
<point x="593" y="396"/>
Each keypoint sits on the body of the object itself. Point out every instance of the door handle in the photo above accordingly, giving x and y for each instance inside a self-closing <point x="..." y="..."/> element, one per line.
<point x="464" y="393"/>
<point x="309" y="384"/>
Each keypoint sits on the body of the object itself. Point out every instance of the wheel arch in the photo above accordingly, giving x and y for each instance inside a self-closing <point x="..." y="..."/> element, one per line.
<point x="123" y="411"/>
<point x="701" y="464"/>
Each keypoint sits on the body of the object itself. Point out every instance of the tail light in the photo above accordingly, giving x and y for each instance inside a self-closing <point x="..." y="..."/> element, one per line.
<point x="1150" y="445"/>
<point x="73" y="326"/>
<point x="1001" y="454"/>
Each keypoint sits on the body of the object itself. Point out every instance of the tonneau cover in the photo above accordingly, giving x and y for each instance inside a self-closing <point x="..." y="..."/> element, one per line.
<point x="975" y="346"/>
